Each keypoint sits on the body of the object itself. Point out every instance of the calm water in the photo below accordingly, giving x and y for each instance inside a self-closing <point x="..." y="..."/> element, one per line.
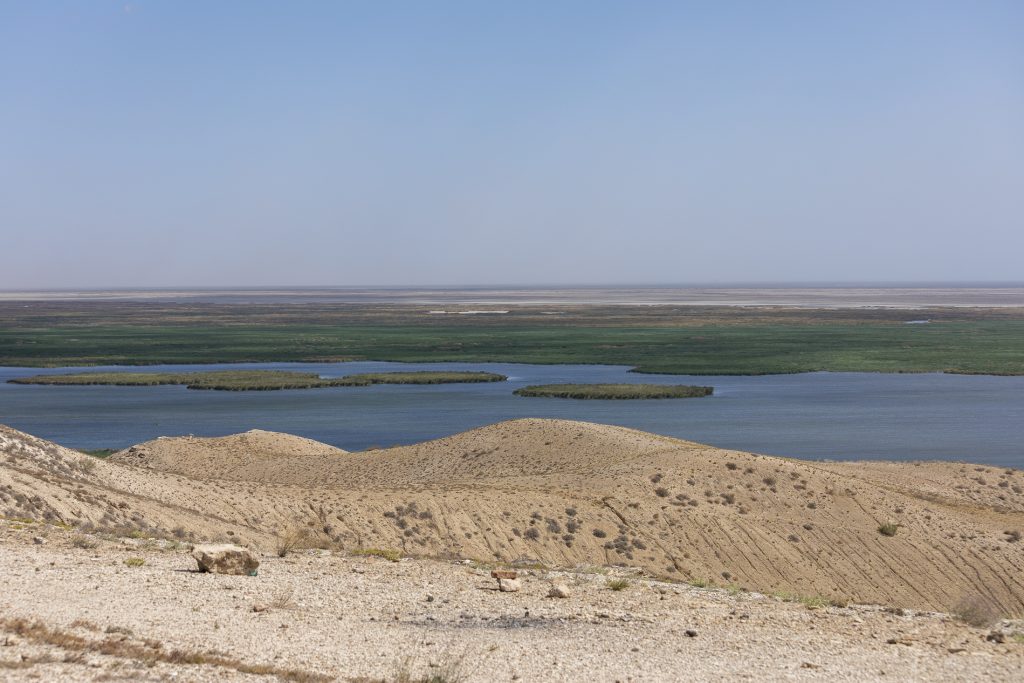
<point x="819" y="415"/>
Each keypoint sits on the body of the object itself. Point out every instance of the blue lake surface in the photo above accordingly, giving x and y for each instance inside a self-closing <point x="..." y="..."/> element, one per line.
<point x="840" y="416"/>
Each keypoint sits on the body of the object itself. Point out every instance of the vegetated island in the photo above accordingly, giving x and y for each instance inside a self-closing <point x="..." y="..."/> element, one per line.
<point x="255" y="380"/>
<point x="427" y="377"/>
<point x="614" y="391"/>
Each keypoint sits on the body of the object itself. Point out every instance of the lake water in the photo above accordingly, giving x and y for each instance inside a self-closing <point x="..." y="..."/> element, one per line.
<point x="839" y="416"/>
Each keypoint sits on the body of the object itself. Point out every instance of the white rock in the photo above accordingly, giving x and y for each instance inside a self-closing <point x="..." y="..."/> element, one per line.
<point x="509" y="585"/>
<point x="559" y="590"/>
<point x="226" y="559"/>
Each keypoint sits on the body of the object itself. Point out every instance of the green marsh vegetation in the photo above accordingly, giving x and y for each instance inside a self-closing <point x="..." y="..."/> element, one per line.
<point x="659" y="339"/>
<point x="254" y="380"/>
<point x="98" y="452"/>
<point x="427" y="377"/>
<point x="614" y="391"/>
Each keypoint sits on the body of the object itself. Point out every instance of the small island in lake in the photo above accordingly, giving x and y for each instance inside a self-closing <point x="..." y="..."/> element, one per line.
<point x="614" y="391"/>
<point x="255" y="380"/>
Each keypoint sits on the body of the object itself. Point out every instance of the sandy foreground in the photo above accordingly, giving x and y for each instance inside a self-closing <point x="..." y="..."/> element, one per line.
<point x="74" y="613"/>
<point x="97" y="581"/>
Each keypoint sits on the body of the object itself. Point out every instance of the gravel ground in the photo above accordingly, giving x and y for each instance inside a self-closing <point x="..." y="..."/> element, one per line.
<point x="365" y="618"/>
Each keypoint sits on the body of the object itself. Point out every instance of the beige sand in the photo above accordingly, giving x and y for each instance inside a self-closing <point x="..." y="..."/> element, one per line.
<point x="325" y="614"/>
<point x="563" y="493"/>
<point x="538" y="493"/>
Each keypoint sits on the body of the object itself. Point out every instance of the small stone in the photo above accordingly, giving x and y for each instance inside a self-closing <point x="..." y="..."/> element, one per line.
<point x="509" y="585"/>
<point x="690" y="633"/>
<point x="39" y="540"/>
<point x="996" y="637"/>
<point x="226" y="559"/>
<point x="260" y="607"/>
<point x="430" y="598"/>
<point x="559" y="590"/>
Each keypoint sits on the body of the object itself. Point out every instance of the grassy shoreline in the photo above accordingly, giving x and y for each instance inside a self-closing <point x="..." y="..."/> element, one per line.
<point x="254" y="380"/>
<point x="665" y="340"/>
<point x="614" y="391"/>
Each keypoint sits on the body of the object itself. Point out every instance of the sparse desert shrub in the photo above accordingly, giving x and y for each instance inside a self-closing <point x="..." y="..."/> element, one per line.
<point x="390" y="555"/>
<point x="888" y="529"/>
<point x="449" y="670"/>
<point x="134" y="562"/>
<point x="532" y="533"/>
<point x="617" y="584"/>
<point x="600" y="533"/>
<point x="730" y="466"/>
<point x="813" y="602"/>
<point x="661" y="492"/>
<point x="977" y="610"/>
<point x="283" y="599"/>
<point x="86" y="466"/>
<point x="1012" y="536"/>
<point x="85" y="543"/>
<point x="770" y="481"/>
<point x="290" y="540"/>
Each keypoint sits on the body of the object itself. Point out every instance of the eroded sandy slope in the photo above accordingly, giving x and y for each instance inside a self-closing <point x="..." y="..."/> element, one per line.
<point x="566" y="493"/>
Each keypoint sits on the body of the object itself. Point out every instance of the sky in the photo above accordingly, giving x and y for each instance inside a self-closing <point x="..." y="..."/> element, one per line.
<point x="218" y="144"/>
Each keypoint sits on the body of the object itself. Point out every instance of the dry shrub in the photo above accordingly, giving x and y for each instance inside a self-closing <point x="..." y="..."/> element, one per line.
<point x="977" y="610"/>
<point x="292" y="539"/>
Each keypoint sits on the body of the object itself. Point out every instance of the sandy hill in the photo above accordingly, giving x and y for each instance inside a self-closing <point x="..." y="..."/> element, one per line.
<point x="256" y="455"/>
<point x="567" y="493"/>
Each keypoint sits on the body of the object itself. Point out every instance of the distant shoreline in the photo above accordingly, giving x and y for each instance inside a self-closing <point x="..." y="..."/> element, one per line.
<point x="907" y="297"/>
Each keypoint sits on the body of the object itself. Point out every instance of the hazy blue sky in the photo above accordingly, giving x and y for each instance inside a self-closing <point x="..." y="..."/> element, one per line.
<point x="347" y="143"/>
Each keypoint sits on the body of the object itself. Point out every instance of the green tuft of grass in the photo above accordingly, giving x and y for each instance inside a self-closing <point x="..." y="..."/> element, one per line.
<point x="617" y="584"/>
<point x="134" y="562"/>
<point x="888" y="529"/>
